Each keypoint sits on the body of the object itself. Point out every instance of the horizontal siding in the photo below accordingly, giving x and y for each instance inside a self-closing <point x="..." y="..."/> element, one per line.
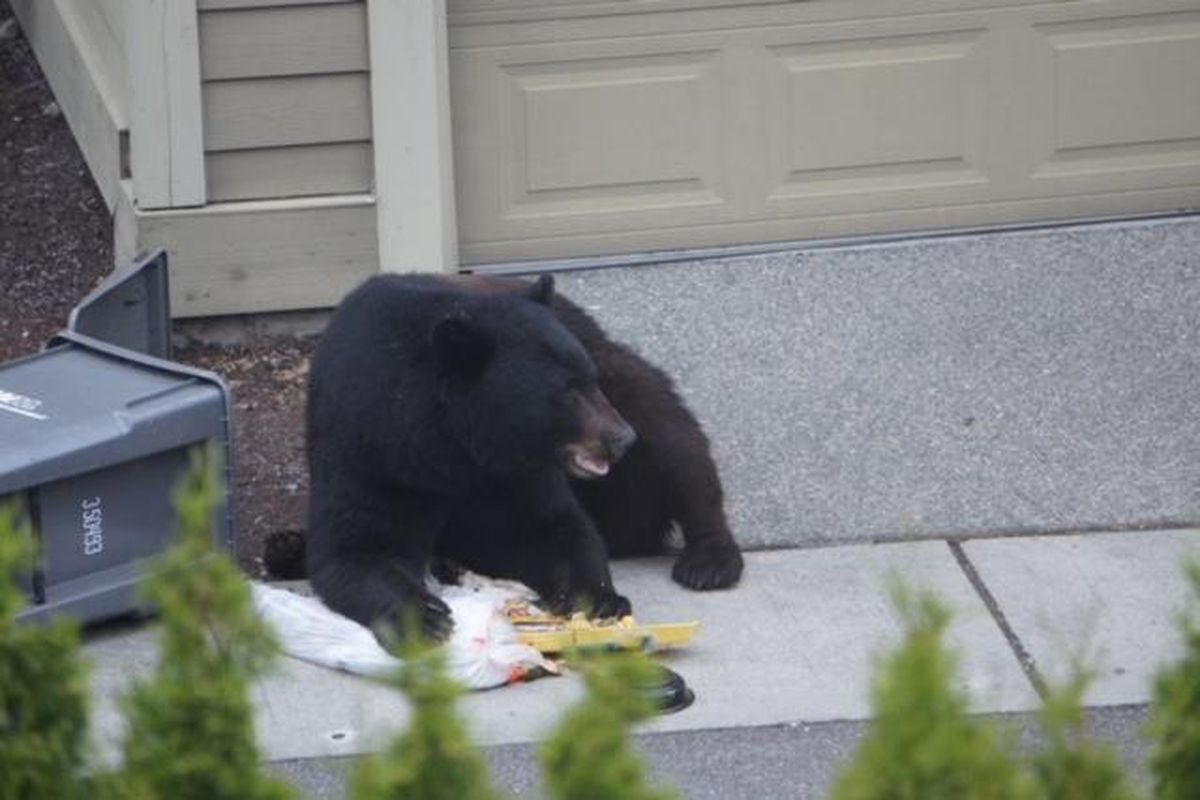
<point x="290" y="172"/>
<point x="302" y="40"/>
<point x="286" y="93"/>
<point x="271" y="112"/>
<point x="205" y="5"/>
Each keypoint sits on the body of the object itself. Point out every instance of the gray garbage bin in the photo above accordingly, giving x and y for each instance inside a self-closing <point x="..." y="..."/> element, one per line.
<point x="95" y="432"/>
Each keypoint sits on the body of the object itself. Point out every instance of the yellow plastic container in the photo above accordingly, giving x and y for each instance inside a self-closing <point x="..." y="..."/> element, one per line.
<point x="554" y="635"/>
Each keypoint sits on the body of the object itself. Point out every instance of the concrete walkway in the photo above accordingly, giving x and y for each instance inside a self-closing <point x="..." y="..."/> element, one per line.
<point x="939" y="409"/>
<point x="783" y="664"/>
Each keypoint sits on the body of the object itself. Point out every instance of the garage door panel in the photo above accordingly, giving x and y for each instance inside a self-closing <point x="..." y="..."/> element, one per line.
<point x="880" y="115"/>
<point x="1123" y="103"/>
<point x="1104" y="73"/>
<point x="617" y="133"/>
<point x="561" y="140"/>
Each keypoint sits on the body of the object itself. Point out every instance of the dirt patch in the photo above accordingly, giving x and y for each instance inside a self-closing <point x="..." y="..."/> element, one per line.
<point x="55" y="231"/>
<point x="266" y="377"/>
<point x="56" y="245"/>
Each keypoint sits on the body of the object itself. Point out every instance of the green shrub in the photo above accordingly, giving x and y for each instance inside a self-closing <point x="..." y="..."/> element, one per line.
<point x="1175" y="717"/>
<point x="588" y="757"/>
<point x="191" y="732"/>
<point x="1070" y="766"/>
<point x="922" y="744"/>
<point x="434" y="759"/>
<point x="191" y="726"/>
<point x="43" y="687"/>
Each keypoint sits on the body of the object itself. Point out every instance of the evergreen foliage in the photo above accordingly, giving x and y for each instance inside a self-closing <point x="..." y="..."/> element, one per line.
<point x="1070" y="766"/>
<point x="1175" y="720"/>
<point x="43" y="687"/>
<point x="589" y="757"/>
<point x="434" y="759"/>
<point x="191" y="732"/>
<point x="923" y="745"/>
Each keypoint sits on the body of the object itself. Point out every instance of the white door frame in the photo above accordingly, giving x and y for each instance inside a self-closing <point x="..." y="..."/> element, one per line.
<point x="410" y="112"/>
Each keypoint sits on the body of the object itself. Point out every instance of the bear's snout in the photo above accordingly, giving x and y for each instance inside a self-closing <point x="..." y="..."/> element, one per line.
<point x="604" y="439"/>
<point x="620" y="440"/>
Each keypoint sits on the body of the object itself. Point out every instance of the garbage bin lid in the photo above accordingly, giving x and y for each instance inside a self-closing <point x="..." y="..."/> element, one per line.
<point x="131" y="309"/>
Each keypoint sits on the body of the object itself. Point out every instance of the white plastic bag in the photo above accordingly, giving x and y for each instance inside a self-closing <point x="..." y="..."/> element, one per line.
<point x="483" y="651"/>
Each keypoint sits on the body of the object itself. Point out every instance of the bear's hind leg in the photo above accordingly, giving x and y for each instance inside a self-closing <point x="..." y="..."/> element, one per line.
<point x="711" y="558"/>
<point x="671" y="461"/>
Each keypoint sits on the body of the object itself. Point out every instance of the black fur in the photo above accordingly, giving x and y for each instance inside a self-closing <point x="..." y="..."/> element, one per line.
<point x="458" y="417"/>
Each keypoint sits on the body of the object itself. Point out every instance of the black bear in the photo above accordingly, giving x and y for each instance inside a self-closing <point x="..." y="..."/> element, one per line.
<point x="490" y="422"/>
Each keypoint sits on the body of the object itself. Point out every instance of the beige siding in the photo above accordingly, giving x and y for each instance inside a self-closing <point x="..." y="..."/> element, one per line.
<point x="588" y="129"/>
<point x="220" y="5"/>
<point x="303" y="40"/>
<point x="286" y="93"/>
<point x="289" y="171"/>
<point x="267" y="112"/>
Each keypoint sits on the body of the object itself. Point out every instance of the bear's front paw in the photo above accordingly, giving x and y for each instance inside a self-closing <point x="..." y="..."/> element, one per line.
<point x="705" y="567"/>
<point x="436" y="620"/>
<point x="610" y="604"/>
<point x="425" y="610"/>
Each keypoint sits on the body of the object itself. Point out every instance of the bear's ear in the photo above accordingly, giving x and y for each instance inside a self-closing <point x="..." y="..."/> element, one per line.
<point x="460" y="347"/>
<point x="542" y="290"/>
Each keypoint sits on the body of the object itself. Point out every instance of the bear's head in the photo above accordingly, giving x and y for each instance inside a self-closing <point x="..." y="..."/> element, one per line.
<point x="520" y="392"/>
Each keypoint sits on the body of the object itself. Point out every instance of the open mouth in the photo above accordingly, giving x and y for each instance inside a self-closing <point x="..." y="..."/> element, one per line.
<point x="585" y="464"/>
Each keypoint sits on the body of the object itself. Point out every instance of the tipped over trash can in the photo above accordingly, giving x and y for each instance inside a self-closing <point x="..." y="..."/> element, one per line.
<point x="95" y="432"/>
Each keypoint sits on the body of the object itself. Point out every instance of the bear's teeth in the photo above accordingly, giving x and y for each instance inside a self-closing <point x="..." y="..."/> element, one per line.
<point x="590" y="464"/>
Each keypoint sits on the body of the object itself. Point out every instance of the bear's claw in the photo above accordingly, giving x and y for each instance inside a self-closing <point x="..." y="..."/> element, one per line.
<point x="426" y="610"/>
<point x="604" y="605"/>
<point x="611" y="605"/>
<point x="436" y="621"/>
<point x="704" y="568"/>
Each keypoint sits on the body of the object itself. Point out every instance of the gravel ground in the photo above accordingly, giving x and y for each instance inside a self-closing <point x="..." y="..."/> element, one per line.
<point x="266" y="376"/>
<point x="56" y="245"/>
<point x="55" y="231"/>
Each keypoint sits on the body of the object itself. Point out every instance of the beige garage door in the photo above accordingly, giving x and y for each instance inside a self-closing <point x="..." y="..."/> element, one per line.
<point x="593" y="127"/>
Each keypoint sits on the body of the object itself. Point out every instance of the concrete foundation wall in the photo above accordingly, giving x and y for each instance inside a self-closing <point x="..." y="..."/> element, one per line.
<point x="1030" y="381"/>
